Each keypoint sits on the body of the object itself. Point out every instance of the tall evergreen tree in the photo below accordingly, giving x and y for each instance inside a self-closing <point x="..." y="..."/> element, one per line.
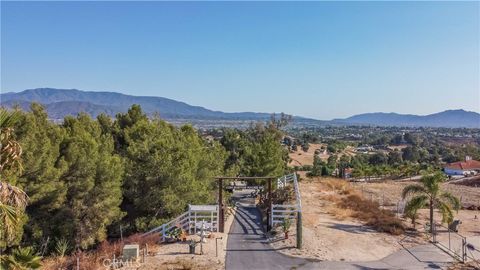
<point x="93" y="180"/>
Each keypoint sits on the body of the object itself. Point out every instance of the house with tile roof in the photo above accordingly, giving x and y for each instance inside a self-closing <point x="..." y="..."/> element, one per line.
<point x="467" y="167"/>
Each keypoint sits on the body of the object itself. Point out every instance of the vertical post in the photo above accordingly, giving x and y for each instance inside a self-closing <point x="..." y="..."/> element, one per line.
<point x="163" y="233"/>
<point x="195" y="223"/>
<point x="121" y="233"/>
<point x="221" y="219"/>
<point x="189" y="221"/>
<point x="269" y="225"/>
<point x="271" y="216"/>
<point x="449" y="247"/>
<point x="299" y="229"/>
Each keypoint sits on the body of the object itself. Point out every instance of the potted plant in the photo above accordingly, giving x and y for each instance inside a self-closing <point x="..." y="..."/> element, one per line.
<point x="286" y="224"/>
<point x="183" y="235"/>
<point x="175" y="233"/>
<point x="191" y="246"/>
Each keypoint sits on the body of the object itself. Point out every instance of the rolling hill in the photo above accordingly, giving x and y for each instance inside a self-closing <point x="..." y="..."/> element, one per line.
<point x="449" y="118"/>
<point x="62" y="102"/>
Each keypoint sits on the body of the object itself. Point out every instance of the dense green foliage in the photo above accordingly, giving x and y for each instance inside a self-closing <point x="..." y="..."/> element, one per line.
<point x="87" y="177"/>
<point x="388" y="152"/>
<point x="255" y="152"/>
<point x="72" y="176"/>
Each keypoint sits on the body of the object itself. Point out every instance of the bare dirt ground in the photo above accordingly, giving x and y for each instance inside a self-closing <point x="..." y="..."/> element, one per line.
<point x="175" y="256"/>
<point x="390" y="193"/>
<point x="349" y="151"/>
<point x="331" y="234"/>
<point x="300" y="158"/>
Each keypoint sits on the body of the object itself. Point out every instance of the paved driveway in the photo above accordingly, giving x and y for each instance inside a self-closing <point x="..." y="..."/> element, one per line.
<point x="247" y="248"/>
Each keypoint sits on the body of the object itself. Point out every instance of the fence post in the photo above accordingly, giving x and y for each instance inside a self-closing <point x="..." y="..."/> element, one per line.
<point x="189" y="221"/>
<point x="299" y="229"/>
<point x="271" y="215"/>
<point x="449" y="246"/>
<point x="163" y="233"/>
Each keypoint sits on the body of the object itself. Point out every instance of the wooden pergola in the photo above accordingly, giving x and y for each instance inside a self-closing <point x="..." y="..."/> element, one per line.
<point x="221" y="215"/>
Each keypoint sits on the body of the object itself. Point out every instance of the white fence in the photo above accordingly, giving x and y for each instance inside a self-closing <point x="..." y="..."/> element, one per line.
<point x="191" y="220"/>
<point x="280" y="212"/>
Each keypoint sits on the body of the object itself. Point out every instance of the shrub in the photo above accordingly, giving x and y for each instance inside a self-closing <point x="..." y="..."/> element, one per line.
<point x="21" y="258"/>
<point x="370" y="213"/>
<point x="62" y="247"/>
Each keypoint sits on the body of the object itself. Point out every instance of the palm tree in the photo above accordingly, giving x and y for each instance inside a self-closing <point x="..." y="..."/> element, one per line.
<point x="21" y="259"/>
<point x="429" y="193"/>
<point x="12" y="199"/>
<point x="411" y="210"/>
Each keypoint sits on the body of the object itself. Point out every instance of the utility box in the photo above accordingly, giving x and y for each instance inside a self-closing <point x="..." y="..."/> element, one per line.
<point x="131" y="252"/>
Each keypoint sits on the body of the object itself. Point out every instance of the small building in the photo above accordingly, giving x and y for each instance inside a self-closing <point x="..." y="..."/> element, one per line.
<point x="467" y="167"/>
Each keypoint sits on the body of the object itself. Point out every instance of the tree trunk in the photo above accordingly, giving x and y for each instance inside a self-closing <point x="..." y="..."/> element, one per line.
<point x="431" y="217"/>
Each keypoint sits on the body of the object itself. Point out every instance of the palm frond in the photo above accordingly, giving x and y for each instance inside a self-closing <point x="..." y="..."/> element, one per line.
<point x="446" y="211"/>
<point x="21" y="259"/>
<point x="450" y="199"/>
<point x="413" y="189"/>
<point x="10" y="217"/>
<point x="10" y="149"/>
<point x="416" y="203"/>
<point x="8" y="118"/>
<point x="13" y="196"/>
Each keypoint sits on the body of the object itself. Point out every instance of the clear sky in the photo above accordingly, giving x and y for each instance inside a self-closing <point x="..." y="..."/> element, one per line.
<point x="322" y="60"/>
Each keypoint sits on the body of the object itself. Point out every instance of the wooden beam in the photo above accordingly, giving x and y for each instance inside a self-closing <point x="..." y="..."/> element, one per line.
<point x="269" y="209"/>
<point x="244" y="177"/>
<point x="221" y="218"/>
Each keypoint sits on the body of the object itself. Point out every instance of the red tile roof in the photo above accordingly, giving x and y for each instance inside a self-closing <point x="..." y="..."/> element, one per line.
<point x="464" y="165"/>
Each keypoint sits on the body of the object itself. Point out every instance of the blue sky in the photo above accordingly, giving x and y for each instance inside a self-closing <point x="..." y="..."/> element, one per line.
<point x="321" y="60"/>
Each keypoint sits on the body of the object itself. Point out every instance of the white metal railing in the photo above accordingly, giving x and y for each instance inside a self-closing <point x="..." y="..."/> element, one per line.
<point x="280" y="212"/>
<point x="189" y="221"/>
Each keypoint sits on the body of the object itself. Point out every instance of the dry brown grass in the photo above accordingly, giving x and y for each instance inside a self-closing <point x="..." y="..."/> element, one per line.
<point x="93" y="259"/>
<point x="339" y="186"/>
<point x="348" y="202"/>
<point x="340" y="213"/>
<point x="370" y="212"/>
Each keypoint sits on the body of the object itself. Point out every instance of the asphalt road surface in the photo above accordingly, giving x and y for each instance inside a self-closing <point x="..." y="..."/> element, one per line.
<point x="247" y="246"/>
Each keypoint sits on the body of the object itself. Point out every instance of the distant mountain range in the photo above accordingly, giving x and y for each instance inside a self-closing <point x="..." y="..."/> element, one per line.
<point x="62" y="102"/>
<point x="449" y="118"/>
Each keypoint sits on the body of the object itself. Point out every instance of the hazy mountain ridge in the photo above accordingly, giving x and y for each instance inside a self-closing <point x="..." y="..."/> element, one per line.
<point x="448" y="118"/>
<point x="167" y="108"/>
<point x="62" y="102"/>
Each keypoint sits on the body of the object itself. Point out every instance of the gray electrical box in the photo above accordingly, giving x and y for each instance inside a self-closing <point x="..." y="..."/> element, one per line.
<point x="131" y="252"/>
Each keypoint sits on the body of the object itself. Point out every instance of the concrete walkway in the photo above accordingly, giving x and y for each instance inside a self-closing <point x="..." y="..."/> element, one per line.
<point x="247" y="248"/>
<point x="416" y="258"/>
